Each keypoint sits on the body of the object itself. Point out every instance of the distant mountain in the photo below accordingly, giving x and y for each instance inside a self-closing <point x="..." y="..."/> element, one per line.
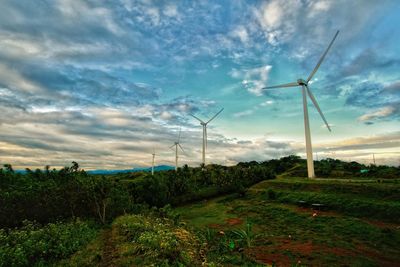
<point x="156" y="169"/>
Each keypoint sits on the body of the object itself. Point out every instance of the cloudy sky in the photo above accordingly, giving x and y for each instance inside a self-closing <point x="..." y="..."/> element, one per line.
<point x="103" y="82"/>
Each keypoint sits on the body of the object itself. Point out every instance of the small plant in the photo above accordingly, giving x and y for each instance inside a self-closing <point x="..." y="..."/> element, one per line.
<point x="245" y="236"/>
<point x="168" y="212"/>
<point x="158" y="240"/>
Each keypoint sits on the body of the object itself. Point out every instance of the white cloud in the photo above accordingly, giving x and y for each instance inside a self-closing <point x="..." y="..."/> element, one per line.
<point x="267" y="103"/>
<point x="254" y="79"/>
<point x="171" y="11"/>
<point x="318" y="6"/>
<point x="243" y="113"/>
<point x="380" y="113"/>
<point x="153" y="14"/>
<point x="16" y="81"/>
<point x="241" y="33"/>
<point x="77" y="10"/>
<point x="278" y="18"/>
<point x="165" y="115"/>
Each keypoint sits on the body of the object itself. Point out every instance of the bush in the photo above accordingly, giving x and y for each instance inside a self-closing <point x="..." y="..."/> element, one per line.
<point x="48" y="196"/>
<point x="156" y="241"/>
<point x="33" y="245"/>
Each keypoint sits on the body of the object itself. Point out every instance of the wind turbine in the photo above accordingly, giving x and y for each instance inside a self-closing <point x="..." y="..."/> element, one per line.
<point x="176" y="144"/>
<point x="204" y="125"/>
<point x="306" y="91"/>
<point x="152" y="165"/>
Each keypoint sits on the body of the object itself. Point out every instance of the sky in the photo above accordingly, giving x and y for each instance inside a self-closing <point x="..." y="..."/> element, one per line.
<point x="104" y="83"/>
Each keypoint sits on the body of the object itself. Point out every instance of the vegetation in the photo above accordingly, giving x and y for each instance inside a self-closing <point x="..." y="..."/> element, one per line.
<point x="267" y="229"/>
<point x="51" y="195"/>
<point x="35" y="245"/>
<point x="118" y="220"/>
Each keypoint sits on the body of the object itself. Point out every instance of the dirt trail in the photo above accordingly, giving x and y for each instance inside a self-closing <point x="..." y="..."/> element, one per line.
<point x="108" y="253"/>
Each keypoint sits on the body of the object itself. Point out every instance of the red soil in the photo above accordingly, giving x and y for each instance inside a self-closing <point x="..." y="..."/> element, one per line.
<point x="275" y="254"/>
<point x="234" y="221"/>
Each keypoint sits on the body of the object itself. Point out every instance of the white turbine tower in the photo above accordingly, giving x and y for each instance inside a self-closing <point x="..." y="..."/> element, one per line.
<point x="152" y="164"/>
<point x="204" y="125"/>
<point x="176" y="144"/>
<point x="306" y="91"/>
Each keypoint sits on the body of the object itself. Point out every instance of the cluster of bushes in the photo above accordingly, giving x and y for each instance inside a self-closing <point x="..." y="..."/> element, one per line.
<point x="190" y="184"/>
<point x="294" y="166"/>
<point x="337" y="168"/>
<point x="156" y="239"/>
<point x="35" y="245"/>
<point x="51" y="195"/>
<point x="153" y="240"/>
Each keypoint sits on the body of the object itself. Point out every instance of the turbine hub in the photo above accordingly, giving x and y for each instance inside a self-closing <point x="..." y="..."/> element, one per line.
<point x="301" y="82"/>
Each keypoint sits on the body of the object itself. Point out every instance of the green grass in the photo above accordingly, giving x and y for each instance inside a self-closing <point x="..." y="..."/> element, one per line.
<point x="206" y="212"/>
<point x="288" y="235"/>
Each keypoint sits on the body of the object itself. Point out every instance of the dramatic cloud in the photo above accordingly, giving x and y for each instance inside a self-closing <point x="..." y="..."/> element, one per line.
<point x="381" y="113"/>
<point x="381" y="101"/>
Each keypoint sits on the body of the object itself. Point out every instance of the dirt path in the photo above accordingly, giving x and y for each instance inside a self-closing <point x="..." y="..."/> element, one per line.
<point x="108" y="253"/>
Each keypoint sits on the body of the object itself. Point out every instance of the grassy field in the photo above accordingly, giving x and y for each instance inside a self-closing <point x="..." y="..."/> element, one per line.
<point x="359" y="224"/>
<point x="273" y="224"/>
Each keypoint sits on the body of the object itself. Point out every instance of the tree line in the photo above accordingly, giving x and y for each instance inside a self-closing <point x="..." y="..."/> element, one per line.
<point x="50" y="195"/>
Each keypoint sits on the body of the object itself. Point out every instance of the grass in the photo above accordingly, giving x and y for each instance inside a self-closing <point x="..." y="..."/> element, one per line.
<point x="206" y="212"/>
<point x="285" y="234"/>
<point x="361" y="227"/>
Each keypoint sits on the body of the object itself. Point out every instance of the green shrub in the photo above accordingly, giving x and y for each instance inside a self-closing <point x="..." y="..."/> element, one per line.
<point x="35" y="245"/>
<point x="156" y="241"/>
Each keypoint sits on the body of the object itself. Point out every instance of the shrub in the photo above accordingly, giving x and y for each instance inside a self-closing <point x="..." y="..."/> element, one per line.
<point x="35" y="245"/>
<point x="157" y="240"/>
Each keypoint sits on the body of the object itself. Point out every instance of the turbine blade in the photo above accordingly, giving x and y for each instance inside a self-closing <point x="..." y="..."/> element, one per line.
<point x="322" y="58"/>
<point x="293" y="84"/>
<point x="181" y="148"/>
<point x="172" y="146"/>
<point x="312" y="97"/>
<point x="179" y="136"/>
<point x="196" y="118"/>
<point x="215" y="115"/>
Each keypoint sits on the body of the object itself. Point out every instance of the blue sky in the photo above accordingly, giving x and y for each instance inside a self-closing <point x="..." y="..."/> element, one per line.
<point x="103" y="82"/>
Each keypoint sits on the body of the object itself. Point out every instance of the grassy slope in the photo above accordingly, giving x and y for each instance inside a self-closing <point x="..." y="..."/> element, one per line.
<point x="286" y="234"/>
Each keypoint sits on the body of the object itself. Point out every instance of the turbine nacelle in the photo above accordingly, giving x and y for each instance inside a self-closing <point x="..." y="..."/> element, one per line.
<point x="302" y="82"/>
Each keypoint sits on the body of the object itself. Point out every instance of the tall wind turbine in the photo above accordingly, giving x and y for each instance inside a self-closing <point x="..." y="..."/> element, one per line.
<point x="152" y="164"/>
<point x="306" y="91"/>
<point x="204" y="125"/>
<point x="176" y="144"/>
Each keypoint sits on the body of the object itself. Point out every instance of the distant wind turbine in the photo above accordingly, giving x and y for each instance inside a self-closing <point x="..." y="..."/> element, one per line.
<point x="306" y="91"/>
<point x="176" y="144"/>
<point x="152" y="164"/>
<point x="204" y="125"/>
